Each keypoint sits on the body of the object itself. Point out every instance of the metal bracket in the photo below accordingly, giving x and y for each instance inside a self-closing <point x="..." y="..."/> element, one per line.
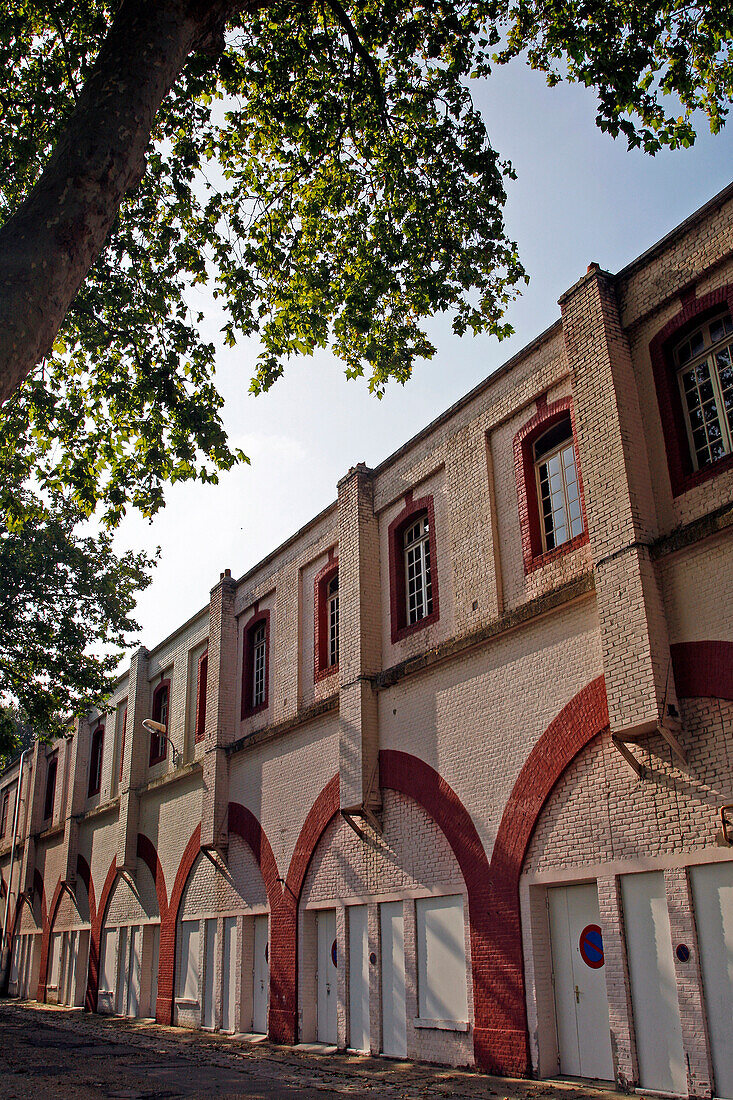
<point x="352" y="812"/>
<point x="725" y="833"/>
<point x="628" y="756"/>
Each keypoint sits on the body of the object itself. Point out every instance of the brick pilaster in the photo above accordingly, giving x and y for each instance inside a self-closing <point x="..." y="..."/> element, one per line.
<point x="620" y="507"/>
<point x="135" y="762"/>
<point x="359" y="639"/>
<point x="78" y="748"/>
<point x="31" y="824"/>
<point x="221" y="715"/>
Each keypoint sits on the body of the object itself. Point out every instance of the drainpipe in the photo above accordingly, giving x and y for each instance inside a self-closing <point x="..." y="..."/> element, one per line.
<point x="16" y="815"/>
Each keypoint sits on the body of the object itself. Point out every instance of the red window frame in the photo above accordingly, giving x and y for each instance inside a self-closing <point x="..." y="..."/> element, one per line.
<point x="159" y="746"/>
<point x="122" y="742"/>
<point x="201" y="677"/>
<point x="533" y="554"/>
<point x="682" y="474"/>
<point x="4" y="812"/>
<point x="322" y="668"/>
<point x="52" y="763"/>
<point x="95" y="762"/>
<point x="400" y="628"/>
<point x="248" y="663"/>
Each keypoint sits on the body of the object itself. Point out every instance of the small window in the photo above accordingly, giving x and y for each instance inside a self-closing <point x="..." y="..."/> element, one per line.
<point x="95" y="761"/>
<point x="704" y="365"/>
<point x="48" y="804"/>
<point x="418" y="583"/>
<point x="4" y="813"/>
<point x="158" y="741"/>
<point x="327" y="620"/>
<point x="412" y="568"/>
<point x="201" y="675"/>
<point x="557" y="486"/>
<point x="254" y="668"/>
<point x="259" y="665"/>
<point x="332" y="615"/>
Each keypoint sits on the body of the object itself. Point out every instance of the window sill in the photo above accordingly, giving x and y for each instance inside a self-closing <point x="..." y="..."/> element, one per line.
<point x="684" y="482"/>
<point x="323" y="673"/>
<point x="183" y="1002"/>
<point x="403" y="632"/>
<point x="540" y="560"/>
<point x="442" y="1025"/>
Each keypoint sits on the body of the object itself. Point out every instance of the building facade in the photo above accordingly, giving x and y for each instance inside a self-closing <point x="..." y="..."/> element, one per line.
<point x="448" y="774"/>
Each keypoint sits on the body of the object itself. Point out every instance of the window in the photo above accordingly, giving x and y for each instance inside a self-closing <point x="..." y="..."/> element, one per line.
<point x="412" y="568"/>
<point x="327" y="620"/>
<point x="159" y="742"/>
<point x="557" y="486"/>
<point x="692" y="361"/>
<point x="549" y="485"/>
<point x="201" y="675"/>
<point x="259" y="661"/>
<point x="4" y="812"/>
<point x="704" y="365"/>
<point x="255" y="664"/>
<point x="441" y="960"/>
<point x="95" y="761"/>
<point x="51" y="766"/>
<point x="122" y="742"/>
<point x="418" y="586"/>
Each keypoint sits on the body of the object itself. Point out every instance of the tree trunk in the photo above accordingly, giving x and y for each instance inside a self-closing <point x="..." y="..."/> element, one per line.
<point x="49" y="244"/>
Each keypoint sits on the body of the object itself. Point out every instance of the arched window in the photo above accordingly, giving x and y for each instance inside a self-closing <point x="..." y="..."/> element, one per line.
<point x="413" y="573"/>
<point x="158" y="742"/>
<point x="327" y="620"/>
<point x="556" y="476"/>
<point x="255" y="665"/>
<point x="95" y="761"/>
<point x="201" y="676"/>
<point x="549" y="485"/>
<point x="704" y="368"/>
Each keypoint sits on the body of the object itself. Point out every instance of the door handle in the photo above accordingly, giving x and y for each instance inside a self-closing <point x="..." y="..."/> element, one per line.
<point x="577" y="995"/>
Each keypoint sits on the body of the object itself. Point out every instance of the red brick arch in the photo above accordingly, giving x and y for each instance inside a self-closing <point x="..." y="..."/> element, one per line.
<point x="167" y="955"/>
<point x="95" y="938"/>
<point x="500" y="1024"/>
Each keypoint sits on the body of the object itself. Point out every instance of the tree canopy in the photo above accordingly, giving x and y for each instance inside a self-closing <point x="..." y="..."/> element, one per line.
<point x="319" y="164"/>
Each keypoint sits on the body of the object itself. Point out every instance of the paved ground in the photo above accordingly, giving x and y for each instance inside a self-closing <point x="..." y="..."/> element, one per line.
<point x="48" y="1053"/>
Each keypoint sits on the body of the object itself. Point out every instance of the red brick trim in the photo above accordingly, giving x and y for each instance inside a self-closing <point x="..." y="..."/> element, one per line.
<point x="201" y="681"/>
<point x="84" y="872"/>
<point x="397" y="597"/>
<point x="529" y="512"/>
<point x="321" y="626"/>
<point x="157" y="758"/>
<point x="248" y="666"/>
<point x="682" y="474"/>
<point x="122" y="743"/>
<point x="703" y="669"/>
<point x="283" y="1016"/>
<point x="96" y="757"/>
<point x="95" y="939"/>
<point x="46" y="940"/>
<point x="245" y="825"/>
<point x="40" y="889"/>
<point x="500" y="1033"/>
<point x="167" y="957"/>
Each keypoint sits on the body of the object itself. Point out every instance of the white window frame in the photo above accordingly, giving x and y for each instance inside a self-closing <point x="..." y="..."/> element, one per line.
<point x="707" y="356"/>
<point x="332" y="619"/>
<point x="566" y="446"/>
<point x="416" y="560"/>
<point x="258" y="641"/>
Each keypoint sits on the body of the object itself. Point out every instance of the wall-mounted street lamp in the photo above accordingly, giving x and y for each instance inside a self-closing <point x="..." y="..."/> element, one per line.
<point x="152" y="726"/>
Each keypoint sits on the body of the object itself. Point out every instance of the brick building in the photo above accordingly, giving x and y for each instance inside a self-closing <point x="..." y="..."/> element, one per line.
<point x="445" y="775"/>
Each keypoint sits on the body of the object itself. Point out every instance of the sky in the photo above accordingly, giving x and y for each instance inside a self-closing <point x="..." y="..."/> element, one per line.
<point x="579" y="197"/>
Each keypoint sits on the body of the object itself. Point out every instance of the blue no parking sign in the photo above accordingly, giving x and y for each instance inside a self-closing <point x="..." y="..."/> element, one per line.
<point x="591" y="946"/>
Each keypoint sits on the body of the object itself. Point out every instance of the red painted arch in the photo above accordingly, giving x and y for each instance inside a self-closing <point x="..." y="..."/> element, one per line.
<point x="90" y="1002"/>
<point x="148" y="853"/>
<point x="500" y="1024"/>
<point x="283" y="1014"/>
<point x="245" y="825"/>
<point x="167" y="957"/>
